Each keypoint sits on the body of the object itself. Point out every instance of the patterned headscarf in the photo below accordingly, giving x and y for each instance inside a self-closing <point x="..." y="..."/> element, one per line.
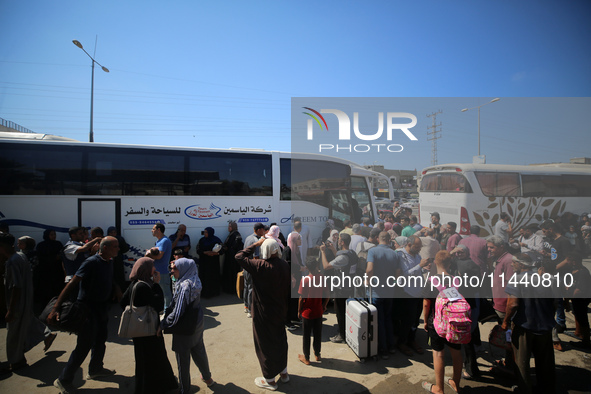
<point x="188" y="285"/>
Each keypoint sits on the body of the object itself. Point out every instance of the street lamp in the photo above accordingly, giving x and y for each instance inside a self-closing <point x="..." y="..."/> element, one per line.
<point x="467" y="109"/>
<point x="105" y="69"/>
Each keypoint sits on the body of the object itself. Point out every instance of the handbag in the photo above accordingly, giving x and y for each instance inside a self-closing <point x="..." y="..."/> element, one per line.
<point x="240" y="284"/>
<point x="138" y="321"/>
<point x="187" y="323"/>
<point x="72" y="316"/>
<point x="498" y="338"/>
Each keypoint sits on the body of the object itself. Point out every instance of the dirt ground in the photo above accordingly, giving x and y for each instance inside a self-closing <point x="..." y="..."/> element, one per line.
<point x="228" y="339"/>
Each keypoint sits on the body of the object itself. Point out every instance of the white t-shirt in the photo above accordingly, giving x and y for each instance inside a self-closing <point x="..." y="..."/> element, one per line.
<point x="501" y="229"/>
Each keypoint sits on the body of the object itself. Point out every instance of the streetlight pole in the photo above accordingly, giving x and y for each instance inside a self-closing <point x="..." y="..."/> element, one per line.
<point x="105" y="69"/>
<point x="467" y="109"/>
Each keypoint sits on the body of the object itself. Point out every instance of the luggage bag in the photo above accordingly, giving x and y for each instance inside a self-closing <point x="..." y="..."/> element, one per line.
<point x="361" y="319"/>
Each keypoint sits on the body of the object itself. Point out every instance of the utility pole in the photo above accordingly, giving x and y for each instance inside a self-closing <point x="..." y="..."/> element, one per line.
<point x="435" y="136"/>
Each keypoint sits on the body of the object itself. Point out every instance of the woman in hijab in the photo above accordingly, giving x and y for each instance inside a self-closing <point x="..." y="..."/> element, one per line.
<point x="400" y="242"/>
<point x="329" y="227"/>
<point x="293" y="257"/>
<point x="273" y="233"/>
<point x="333" y="238"/>
<point x="153" y="372"/>
<point x="271" y="283"/>
<point x="187" y="290"/>
<point x="388" y="226"/>
<point x="50" y="266"/>
<point x="209" y="263"/>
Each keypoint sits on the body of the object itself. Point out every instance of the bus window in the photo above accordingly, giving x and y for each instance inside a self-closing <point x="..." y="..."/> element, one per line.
<point x="446" y="182"/>
<point x="499" y="184"/>
<point x="307" y="180"/>
<point x="556" y="185"/>
<point x="230" y="174"/>
<point x="134" y="173"/>
<point x="36" y="170"/>
<point x="576" y="185"/>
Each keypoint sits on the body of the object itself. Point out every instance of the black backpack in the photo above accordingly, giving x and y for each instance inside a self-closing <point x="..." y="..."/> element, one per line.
<point x="351" y="268"/>
<point x="362" y="260"/>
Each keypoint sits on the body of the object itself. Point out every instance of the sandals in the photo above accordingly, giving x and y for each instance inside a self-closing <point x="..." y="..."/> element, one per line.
<point x="447" y="381"/>
<point x="467" y="376"/>
<point x="428" y="386"/>
<point x="574" y="335"/>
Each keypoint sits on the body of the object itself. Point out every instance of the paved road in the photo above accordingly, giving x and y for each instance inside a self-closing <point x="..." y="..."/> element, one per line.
<point x="228" y="338"/>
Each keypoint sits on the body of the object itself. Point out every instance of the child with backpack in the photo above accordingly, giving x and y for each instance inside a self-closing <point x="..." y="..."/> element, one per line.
<point x="311" y="307"/>
<point x="447" y="322"/>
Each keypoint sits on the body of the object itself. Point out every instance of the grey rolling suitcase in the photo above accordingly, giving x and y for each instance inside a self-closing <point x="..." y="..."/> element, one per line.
<point x="362" y="328"/>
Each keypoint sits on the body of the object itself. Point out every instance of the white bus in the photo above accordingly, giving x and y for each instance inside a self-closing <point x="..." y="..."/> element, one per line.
<point x="56" y="183"/>
<point x="478" y="193"/>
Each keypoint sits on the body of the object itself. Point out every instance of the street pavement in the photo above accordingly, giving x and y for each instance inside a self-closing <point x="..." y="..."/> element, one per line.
<point x="228" y="339"/>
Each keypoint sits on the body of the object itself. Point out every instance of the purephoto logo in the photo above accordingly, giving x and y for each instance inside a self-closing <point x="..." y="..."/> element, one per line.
<point x="391" y="128"/>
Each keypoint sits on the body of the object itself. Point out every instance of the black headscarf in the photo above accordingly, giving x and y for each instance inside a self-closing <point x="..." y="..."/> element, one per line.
<point x="47" y="247"/>
<point x="207" y="243"/>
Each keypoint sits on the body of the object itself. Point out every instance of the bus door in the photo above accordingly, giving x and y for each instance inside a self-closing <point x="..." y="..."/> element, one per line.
<point x="102" y="213"/>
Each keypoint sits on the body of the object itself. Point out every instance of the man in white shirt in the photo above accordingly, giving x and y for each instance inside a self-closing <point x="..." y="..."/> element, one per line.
<point x="356" y="238"/>
<point x="75" y="251"/>
<point x="503" y="227"/>
<point x="529" y="241"/>
<point x="430" y="244"/>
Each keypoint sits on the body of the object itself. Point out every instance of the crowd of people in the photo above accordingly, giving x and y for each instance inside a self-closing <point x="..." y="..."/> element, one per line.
<point x="508" y="262"/>
<point x="89" y="268"/>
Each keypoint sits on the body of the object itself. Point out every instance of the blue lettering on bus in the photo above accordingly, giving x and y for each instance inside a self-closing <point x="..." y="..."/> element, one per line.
<point x="145" y="222"/>
<point x="253" y="220"/>
<point x="288" y="219"/>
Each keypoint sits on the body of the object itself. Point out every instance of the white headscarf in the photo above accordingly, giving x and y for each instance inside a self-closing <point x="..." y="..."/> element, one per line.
<point x="269" y="248"/>
<point x="331" y="240"/>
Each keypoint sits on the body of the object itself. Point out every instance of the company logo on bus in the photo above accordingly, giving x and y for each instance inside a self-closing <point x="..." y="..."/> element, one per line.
<point x="200" y="212"/>
<point x="344" y="131"/>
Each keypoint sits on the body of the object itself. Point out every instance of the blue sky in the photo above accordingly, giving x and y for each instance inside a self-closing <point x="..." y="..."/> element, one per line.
<point x="222" y="74"/>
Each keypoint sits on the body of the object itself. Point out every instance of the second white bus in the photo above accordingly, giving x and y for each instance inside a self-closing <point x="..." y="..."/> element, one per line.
<point x="471" y="194"/>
